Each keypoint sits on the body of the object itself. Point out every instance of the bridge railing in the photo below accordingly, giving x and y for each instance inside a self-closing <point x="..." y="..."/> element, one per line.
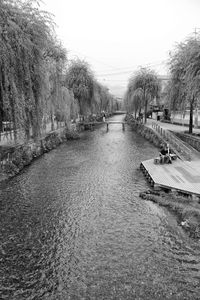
<point x="176" y="143"/>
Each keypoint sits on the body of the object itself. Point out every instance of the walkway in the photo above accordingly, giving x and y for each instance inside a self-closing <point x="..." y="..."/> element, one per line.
<point x="172" y="127"/>
<point x="195" y="155"/>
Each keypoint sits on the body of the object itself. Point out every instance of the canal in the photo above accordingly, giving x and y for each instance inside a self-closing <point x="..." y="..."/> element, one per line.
<point x="72" y="226"/>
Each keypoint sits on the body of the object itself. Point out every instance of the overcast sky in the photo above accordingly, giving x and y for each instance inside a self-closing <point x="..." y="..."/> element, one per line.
<point x="117" y="36"/>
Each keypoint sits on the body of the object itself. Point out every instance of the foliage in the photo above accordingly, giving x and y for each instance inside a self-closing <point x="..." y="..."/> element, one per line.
<point x="184" y="85"/>
<point x="134" y="101"/>
<point x="102" y="98"/>
<point x="56" y="99"/>
<point x="10" y="168"/>
<point x="80" y="79"/>
<point x="27" y="47"/>
<point x="143" y="86"/>
<point x="92" y="96"/>
<point x="33" y="90"/>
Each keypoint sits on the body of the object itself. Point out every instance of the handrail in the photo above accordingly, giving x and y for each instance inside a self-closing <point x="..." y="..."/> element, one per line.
<point x="179" y="146"/>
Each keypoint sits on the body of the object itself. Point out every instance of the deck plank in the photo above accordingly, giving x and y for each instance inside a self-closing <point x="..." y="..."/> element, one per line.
<point x="180" y="175"/>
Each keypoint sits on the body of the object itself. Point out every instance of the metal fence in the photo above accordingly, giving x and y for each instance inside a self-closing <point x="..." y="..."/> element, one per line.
<point x="175" y="143"/>
<point x="11" y="137"/>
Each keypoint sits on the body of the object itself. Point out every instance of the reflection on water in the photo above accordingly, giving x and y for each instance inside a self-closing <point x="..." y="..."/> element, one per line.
<point x="73" y="227"/>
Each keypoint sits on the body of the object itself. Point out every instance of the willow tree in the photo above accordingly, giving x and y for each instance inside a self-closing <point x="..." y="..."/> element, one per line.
<point x="103" y="99"/>
<point x="80" y="79"/>
<point x="137" y="101"/>
<point x="184" y="85"/>
<point x="26" y="39"/>
<point x="57" y="99"/>
<point x="133" y="99"/>
<point x="143" y="87"/>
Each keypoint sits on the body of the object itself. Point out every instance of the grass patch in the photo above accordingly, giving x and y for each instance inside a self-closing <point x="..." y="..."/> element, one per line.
<point x="186" y="210"/>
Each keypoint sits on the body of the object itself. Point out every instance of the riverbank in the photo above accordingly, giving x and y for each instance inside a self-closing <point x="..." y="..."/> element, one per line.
<point x="75" y="214"/>
<point x="14" y="158"/>
<point x="186" y="210"/>
<point x="144" y="131"/>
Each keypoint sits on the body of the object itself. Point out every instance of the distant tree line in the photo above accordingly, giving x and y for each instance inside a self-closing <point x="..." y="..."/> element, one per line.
<point x="183" y="88"/>
<point x="37" y="82"/>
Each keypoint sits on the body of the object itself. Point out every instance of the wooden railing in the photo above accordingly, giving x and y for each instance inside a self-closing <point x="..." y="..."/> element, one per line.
<point x="176" y="144"/>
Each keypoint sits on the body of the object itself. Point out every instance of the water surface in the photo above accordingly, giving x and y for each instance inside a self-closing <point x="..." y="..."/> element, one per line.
<point x="73" y="227"/>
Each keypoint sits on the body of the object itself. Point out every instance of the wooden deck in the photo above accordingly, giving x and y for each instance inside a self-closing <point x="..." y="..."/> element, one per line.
<point x="180" y="176"/>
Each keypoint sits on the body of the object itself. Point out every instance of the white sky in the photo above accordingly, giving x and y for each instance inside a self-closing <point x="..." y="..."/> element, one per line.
<point x="117" y="36"/>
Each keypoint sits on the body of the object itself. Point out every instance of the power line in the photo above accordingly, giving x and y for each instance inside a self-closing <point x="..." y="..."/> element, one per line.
<point x="97" y="60"/>
<point x="131" y="71"/>
<point x="122" y="69"/>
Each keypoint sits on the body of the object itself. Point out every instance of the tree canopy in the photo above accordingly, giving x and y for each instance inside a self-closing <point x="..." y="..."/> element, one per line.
<point x="92" y="96"/>
<point x="80" y="79"/>
<point x="143" y="86"/>
<point x="103" y="100"/>
<point x="36" y="83"/>
<point x="27" y="47"/>
<point x="184" y="83"/>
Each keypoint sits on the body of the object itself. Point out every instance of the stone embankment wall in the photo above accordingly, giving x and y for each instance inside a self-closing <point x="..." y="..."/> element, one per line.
<point x="14" y="158"/>
<point x="194" y="141"/>
<point x="146" y="132"/>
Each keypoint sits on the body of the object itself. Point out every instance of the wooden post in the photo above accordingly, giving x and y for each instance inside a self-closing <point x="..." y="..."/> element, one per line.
<point x="157" y="187"/>
<point x="152" y="183"/>
<point x="107" y="125"/>
<point x="123" y="126"/>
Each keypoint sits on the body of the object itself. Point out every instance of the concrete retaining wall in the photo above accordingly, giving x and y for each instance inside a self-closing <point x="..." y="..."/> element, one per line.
<point x="150" y="135"/>
<point x="191" y="140"/>
<point x="14" y="158"/>
<point x="146" y="132"/>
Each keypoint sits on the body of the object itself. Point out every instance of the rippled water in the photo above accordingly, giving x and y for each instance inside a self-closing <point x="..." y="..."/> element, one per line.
<point x="73" y="227"/>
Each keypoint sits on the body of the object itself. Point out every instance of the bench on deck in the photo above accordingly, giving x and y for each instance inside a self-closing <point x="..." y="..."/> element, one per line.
<point x="157" y="160"/>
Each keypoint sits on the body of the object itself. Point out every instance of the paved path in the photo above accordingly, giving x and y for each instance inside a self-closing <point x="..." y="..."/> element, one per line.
<point x="172" y="127"/>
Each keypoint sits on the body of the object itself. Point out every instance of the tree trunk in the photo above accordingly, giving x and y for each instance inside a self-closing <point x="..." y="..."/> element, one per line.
<point x="196" y="117"/>
<point x="1" y="119"/>
<point x="52" y="122"/>
<point x="191" y="117"/>
<point x="1" y="108"/>
<point x="27" y="132"/>
<point x="27" y="126"/>
<point x="80" y="106"/>
<point x="145" y="107"/>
